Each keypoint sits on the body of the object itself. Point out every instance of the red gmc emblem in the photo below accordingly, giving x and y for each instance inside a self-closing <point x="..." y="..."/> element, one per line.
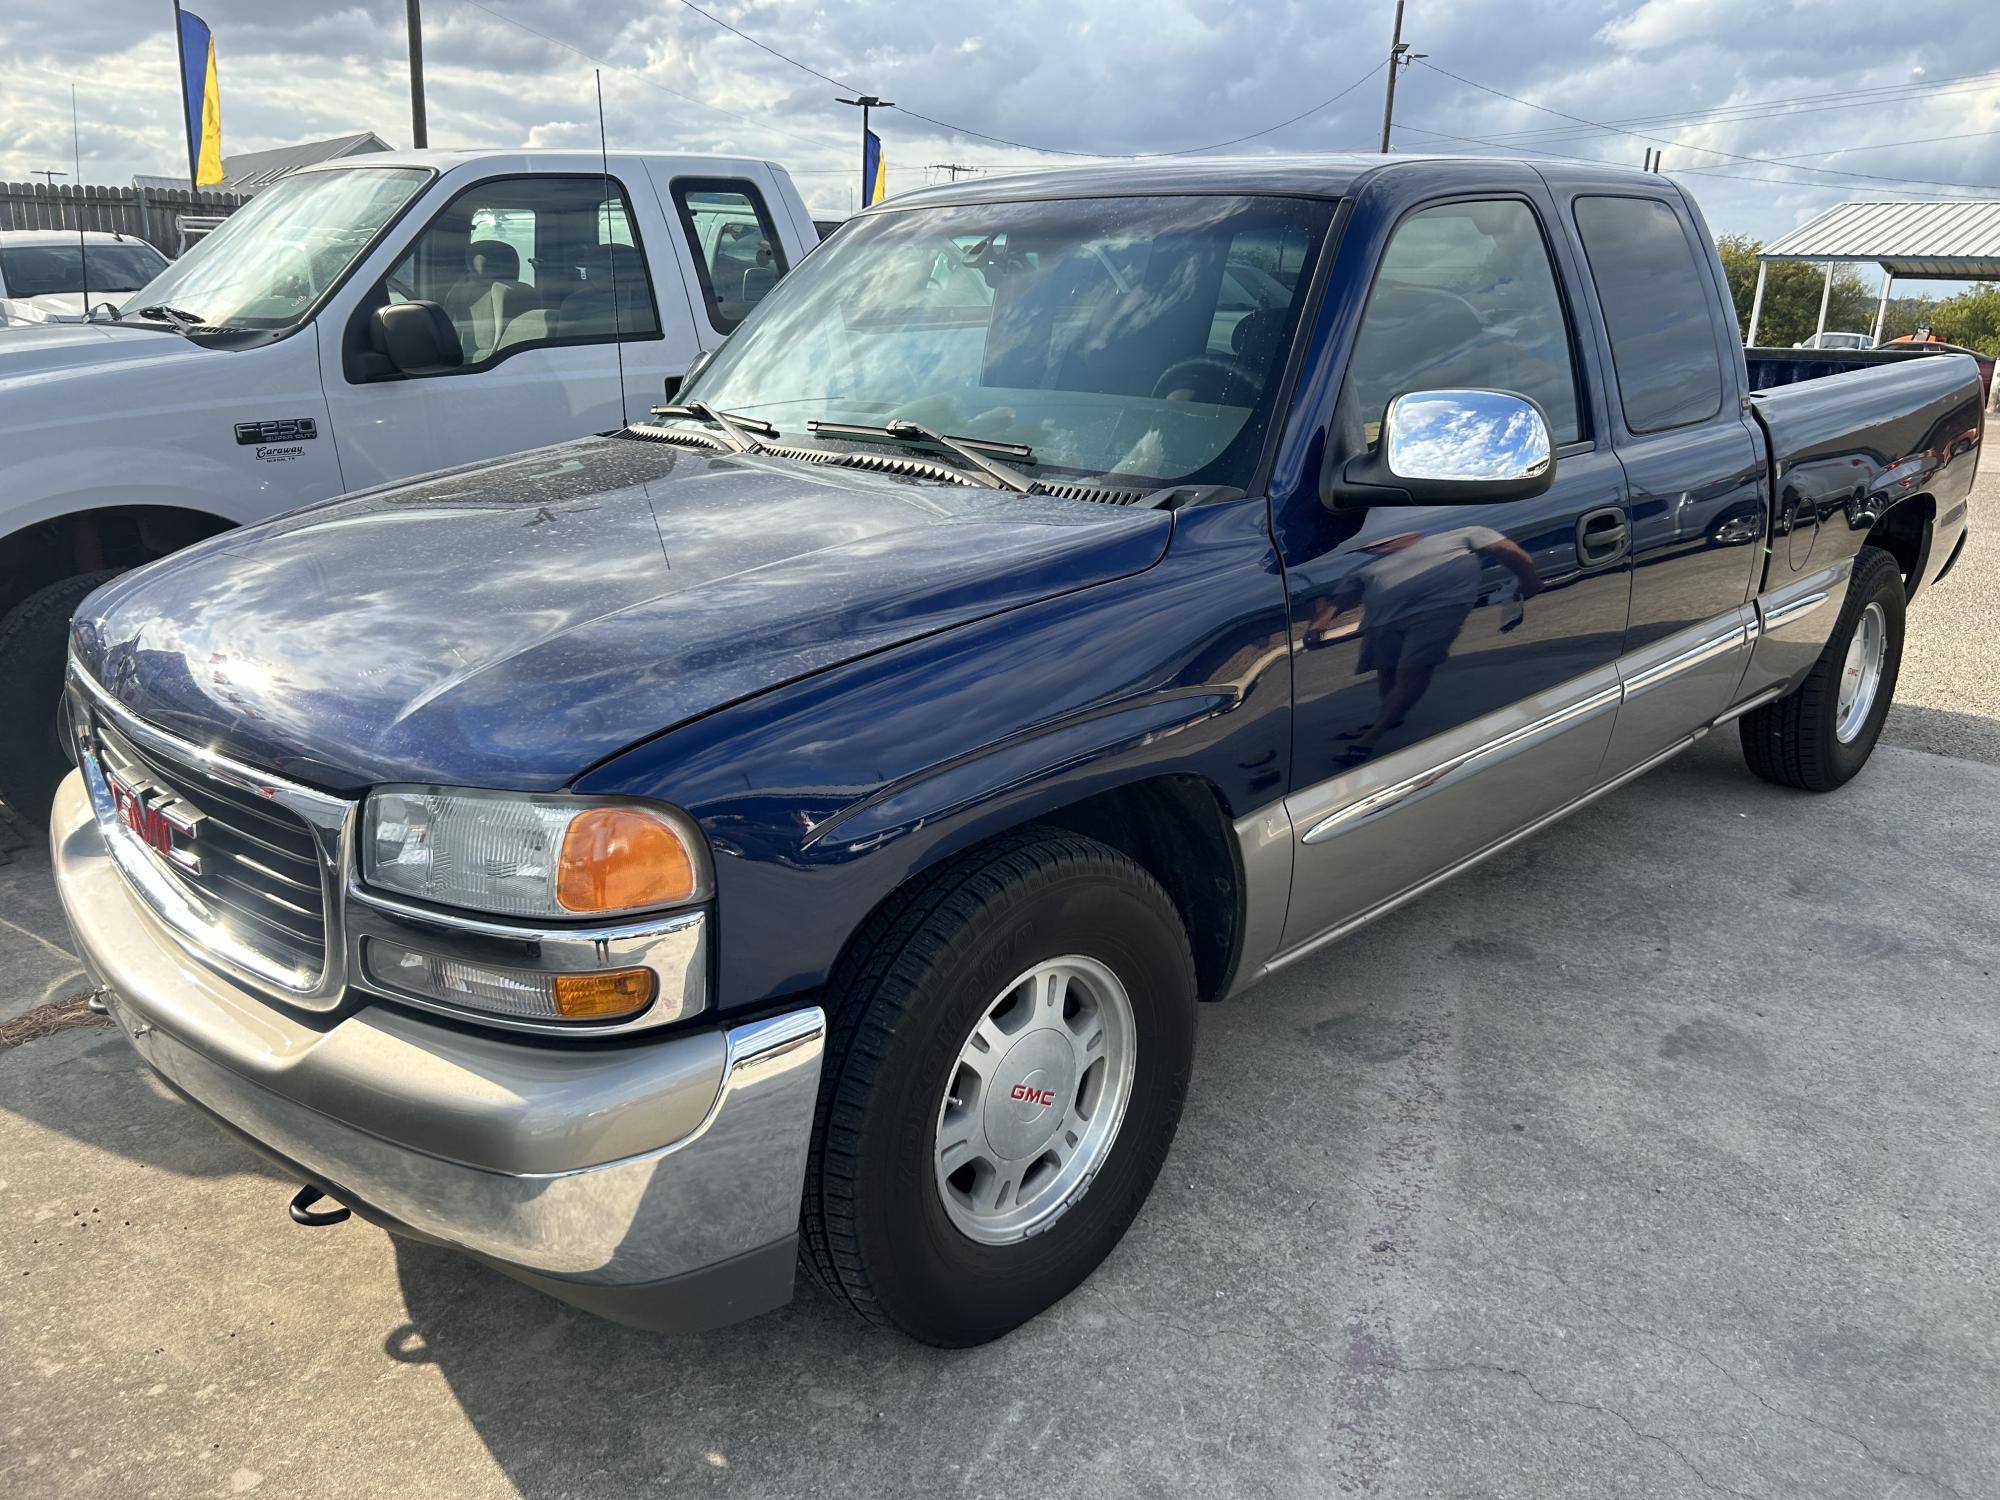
<point x="1043" y="1097"/>
<point x="159" y="820"/>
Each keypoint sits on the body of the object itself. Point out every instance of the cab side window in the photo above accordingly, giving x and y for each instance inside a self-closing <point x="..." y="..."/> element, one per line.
<point x="524" y="262"/>
<point x="1465" y="298"/>
<point x="737" y="254"/>
<point x="1656" y="309"/>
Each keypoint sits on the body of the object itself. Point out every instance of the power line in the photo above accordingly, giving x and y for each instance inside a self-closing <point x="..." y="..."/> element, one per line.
<point x="1001" y="140"/>
<point x="839" y="83"/>
<point x="641" y="76"/>
<point x="1706" y="150"/>
<point x="1751" y="109"/>
<point x="1507" y="148"/>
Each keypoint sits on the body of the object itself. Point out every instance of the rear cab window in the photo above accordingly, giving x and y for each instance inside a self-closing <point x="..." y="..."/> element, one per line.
<point x="738" y="256"/>
<point x="1656" y="310"/>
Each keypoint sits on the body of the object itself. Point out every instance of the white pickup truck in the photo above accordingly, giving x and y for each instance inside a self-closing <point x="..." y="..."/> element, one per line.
<point x="356" y="323"/>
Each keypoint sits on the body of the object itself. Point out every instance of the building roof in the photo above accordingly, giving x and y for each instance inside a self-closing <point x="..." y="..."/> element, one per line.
<point x="251" y="170"/>
<point x="1954" y="239"/>
<point x="248" y="171"/>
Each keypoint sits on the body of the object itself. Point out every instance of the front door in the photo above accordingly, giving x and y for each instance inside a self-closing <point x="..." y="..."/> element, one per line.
<point x="1454" y="671"/>
<point x="548" y="282"/>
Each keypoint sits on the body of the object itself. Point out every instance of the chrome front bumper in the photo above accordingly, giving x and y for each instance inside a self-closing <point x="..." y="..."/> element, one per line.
<point x="656" y="1183"/>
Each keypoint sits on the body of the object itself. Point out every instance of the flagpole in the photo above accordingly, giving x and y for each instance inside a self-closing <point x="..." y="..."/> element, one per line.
<point x="867" y="102"/>
<point x="180" y="51"/>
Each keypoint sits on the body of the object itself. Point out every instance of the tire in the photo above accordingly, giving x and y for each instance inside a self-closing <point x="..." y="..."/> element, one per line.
<point x="34" y="645"/>
<point x="1798" y="741"/>
<point x="877" y="1230"/>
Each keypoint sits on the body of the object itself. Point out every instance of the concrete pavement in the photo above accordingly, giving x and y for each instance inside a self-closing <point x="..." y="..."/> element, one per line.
<point x="1656" y="1158"/>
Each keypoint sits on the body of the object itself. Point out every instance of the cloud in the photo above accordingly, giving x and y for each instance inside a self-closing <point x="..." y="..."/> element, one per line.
<point x="1081" y="75"/>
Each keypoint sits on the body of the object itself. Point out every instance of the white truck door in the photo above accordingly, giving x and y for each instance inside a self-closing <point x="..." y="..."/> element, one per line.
<point x="553" y="281"/>
<point x="728" y="227"/>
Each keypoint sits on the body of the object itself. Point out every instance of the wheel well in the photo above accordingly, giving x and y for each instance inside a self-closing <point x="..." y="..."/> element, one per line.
<point x="1177" y="829"/>
<point x="117" y="536"/>
<point x="1904" y="532"/>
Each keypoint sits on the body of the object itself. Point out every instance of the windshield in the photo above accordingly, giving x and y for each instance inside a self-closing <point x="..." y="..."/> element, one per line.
<point x="1142" y="338"/>
<point x="41" y="270"/>
<point x="272" y="260"/>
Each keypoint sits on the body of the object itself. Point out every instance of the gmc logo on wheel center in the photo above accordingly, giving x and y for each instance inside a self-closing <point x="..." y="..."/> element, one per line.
<point x="1043" y="1097"/>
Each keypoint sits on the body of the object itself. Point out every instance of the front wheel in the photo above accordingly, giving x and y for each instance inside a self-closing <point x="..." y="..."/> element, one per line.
<point x="1820" y="734"/>
<point x="34" y="643"/>
<point x="1011" y="1047"/>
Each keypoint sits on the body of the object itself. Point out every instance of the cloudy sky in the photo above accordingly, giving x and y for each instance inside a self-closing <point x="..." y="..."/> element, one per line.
<point x="1763" y="107"/>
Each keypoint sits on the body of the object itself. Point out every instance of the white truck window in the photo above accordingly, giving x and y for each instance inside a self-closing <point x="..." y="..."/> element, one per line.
<point x="737" y="254"/>
<point x="526" y="262"/>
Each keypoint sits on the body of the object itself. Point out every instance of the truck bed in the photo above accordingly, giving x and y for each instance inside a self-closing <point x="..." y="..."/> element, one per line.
<point x="1771" y="368"/>
<point x="1854" y="430"/>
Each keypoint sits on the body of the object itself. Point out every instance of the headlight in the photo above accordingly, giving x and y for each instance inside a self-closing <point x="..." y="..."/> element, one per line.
<point x="520" y="855"/>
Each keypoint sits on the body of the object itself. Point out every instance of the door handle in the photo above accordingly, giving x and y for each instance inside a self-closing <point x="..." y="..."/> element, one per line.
<point x="1602" y="536"/>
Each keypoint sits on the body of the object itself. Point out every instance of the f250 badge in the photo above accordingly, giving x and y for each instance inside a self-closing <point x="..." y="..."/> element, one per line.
<point x="279" y="430"/>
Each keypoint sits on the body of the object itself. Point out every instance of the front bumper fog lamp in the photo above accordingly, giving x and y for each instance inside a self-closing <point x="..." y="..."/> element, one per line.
<point x="524" y="994"/>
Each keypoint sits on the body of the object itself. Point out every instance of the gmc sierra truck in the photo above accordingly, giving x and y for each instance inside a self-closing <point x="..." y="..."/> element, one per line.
<point x="357" y="322"/>
<point x="804" y="824"/>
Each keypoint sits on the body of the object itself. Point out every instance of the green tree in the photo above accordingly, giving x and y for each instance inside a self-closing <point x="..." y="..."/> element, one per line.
<point x="1791" y="295"/>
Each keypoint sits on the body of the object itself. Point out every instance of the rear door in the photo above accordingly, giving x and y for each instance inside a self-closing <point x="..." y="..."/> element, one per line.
<point x="1454" y="666"/>
<point x="552" y="281"/>
<point x="1693" y="463"/>
<point x="729" y="226"/>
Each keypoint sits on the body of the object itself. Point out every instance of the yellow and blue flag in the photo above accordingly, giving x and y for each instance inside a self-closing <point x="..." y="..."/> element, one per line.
<point x="201" y="99"/>
<point x="874" y="171"/>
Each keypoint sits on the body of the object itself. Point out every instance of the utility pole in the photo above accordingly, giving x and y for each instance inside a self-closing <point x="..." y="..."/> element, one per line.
<point x="953" y="167"/>
<point x="865" y="102"/>
<point x="420" y="135"/>
<point x="48" y="175"/>
<point x="1400" y="57"/>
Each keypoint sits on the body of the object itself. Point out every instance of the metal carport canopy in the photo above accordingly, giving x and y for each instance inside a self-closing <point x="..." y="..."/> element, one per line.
<point x="1956" y="239"/>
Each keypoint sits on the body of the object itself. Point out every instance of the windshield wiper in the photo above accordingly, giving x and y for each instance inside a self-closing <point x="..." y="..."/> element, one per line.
<point x="967" y="448"/>
<point x="736" y="428"/>
<point x="159" y="312"/>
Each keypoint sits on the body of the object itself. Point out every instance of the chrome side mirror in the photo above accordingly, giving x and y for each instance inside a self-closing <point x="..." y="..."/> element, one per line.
<point x="1454" y="447"/>
<point x="1466" y="437"/>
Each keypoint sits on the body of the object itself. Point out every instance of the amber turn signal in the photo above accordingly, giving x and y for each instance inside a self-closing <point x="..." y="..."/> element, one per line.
<point x="622" y="859"/>
<point x="589" y="997"/>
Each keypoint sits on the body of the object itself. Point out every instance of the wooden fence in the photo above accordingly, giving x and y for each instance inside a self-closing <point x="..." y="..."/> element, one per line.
<point x="147" y="213"/>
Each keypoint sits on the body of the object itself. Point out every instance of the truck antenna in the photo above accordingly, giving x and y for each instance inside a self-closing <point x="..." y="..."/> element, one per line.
<point x="82" y="250"/>
<point x="617" y="323"/>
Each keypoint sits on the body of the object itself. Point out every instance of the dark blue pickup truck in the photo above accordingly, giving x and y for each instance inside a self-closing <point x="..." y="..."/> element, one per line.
<point x="802" y="825"/>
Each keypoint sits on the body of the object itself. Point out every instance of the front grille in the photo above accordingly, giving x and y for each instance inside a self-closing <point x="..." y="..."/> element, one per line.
<point x="255" y="865"/>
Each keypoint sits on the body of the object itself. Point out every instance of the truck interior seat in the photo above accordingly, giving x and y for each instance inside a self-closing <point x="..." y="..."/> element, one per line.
<point x="488" y="297"/>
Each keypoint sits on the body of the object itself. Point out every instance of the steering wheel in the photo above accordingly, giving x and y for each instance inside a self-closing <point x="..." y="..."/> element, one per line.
<point x="1173" y="378"/>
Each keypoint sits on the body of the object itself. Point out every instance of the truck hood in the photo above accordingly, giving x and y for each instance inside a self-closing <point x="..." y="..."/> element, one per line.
<point x="34" y="352"/>
<point x="512" y="624"/>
